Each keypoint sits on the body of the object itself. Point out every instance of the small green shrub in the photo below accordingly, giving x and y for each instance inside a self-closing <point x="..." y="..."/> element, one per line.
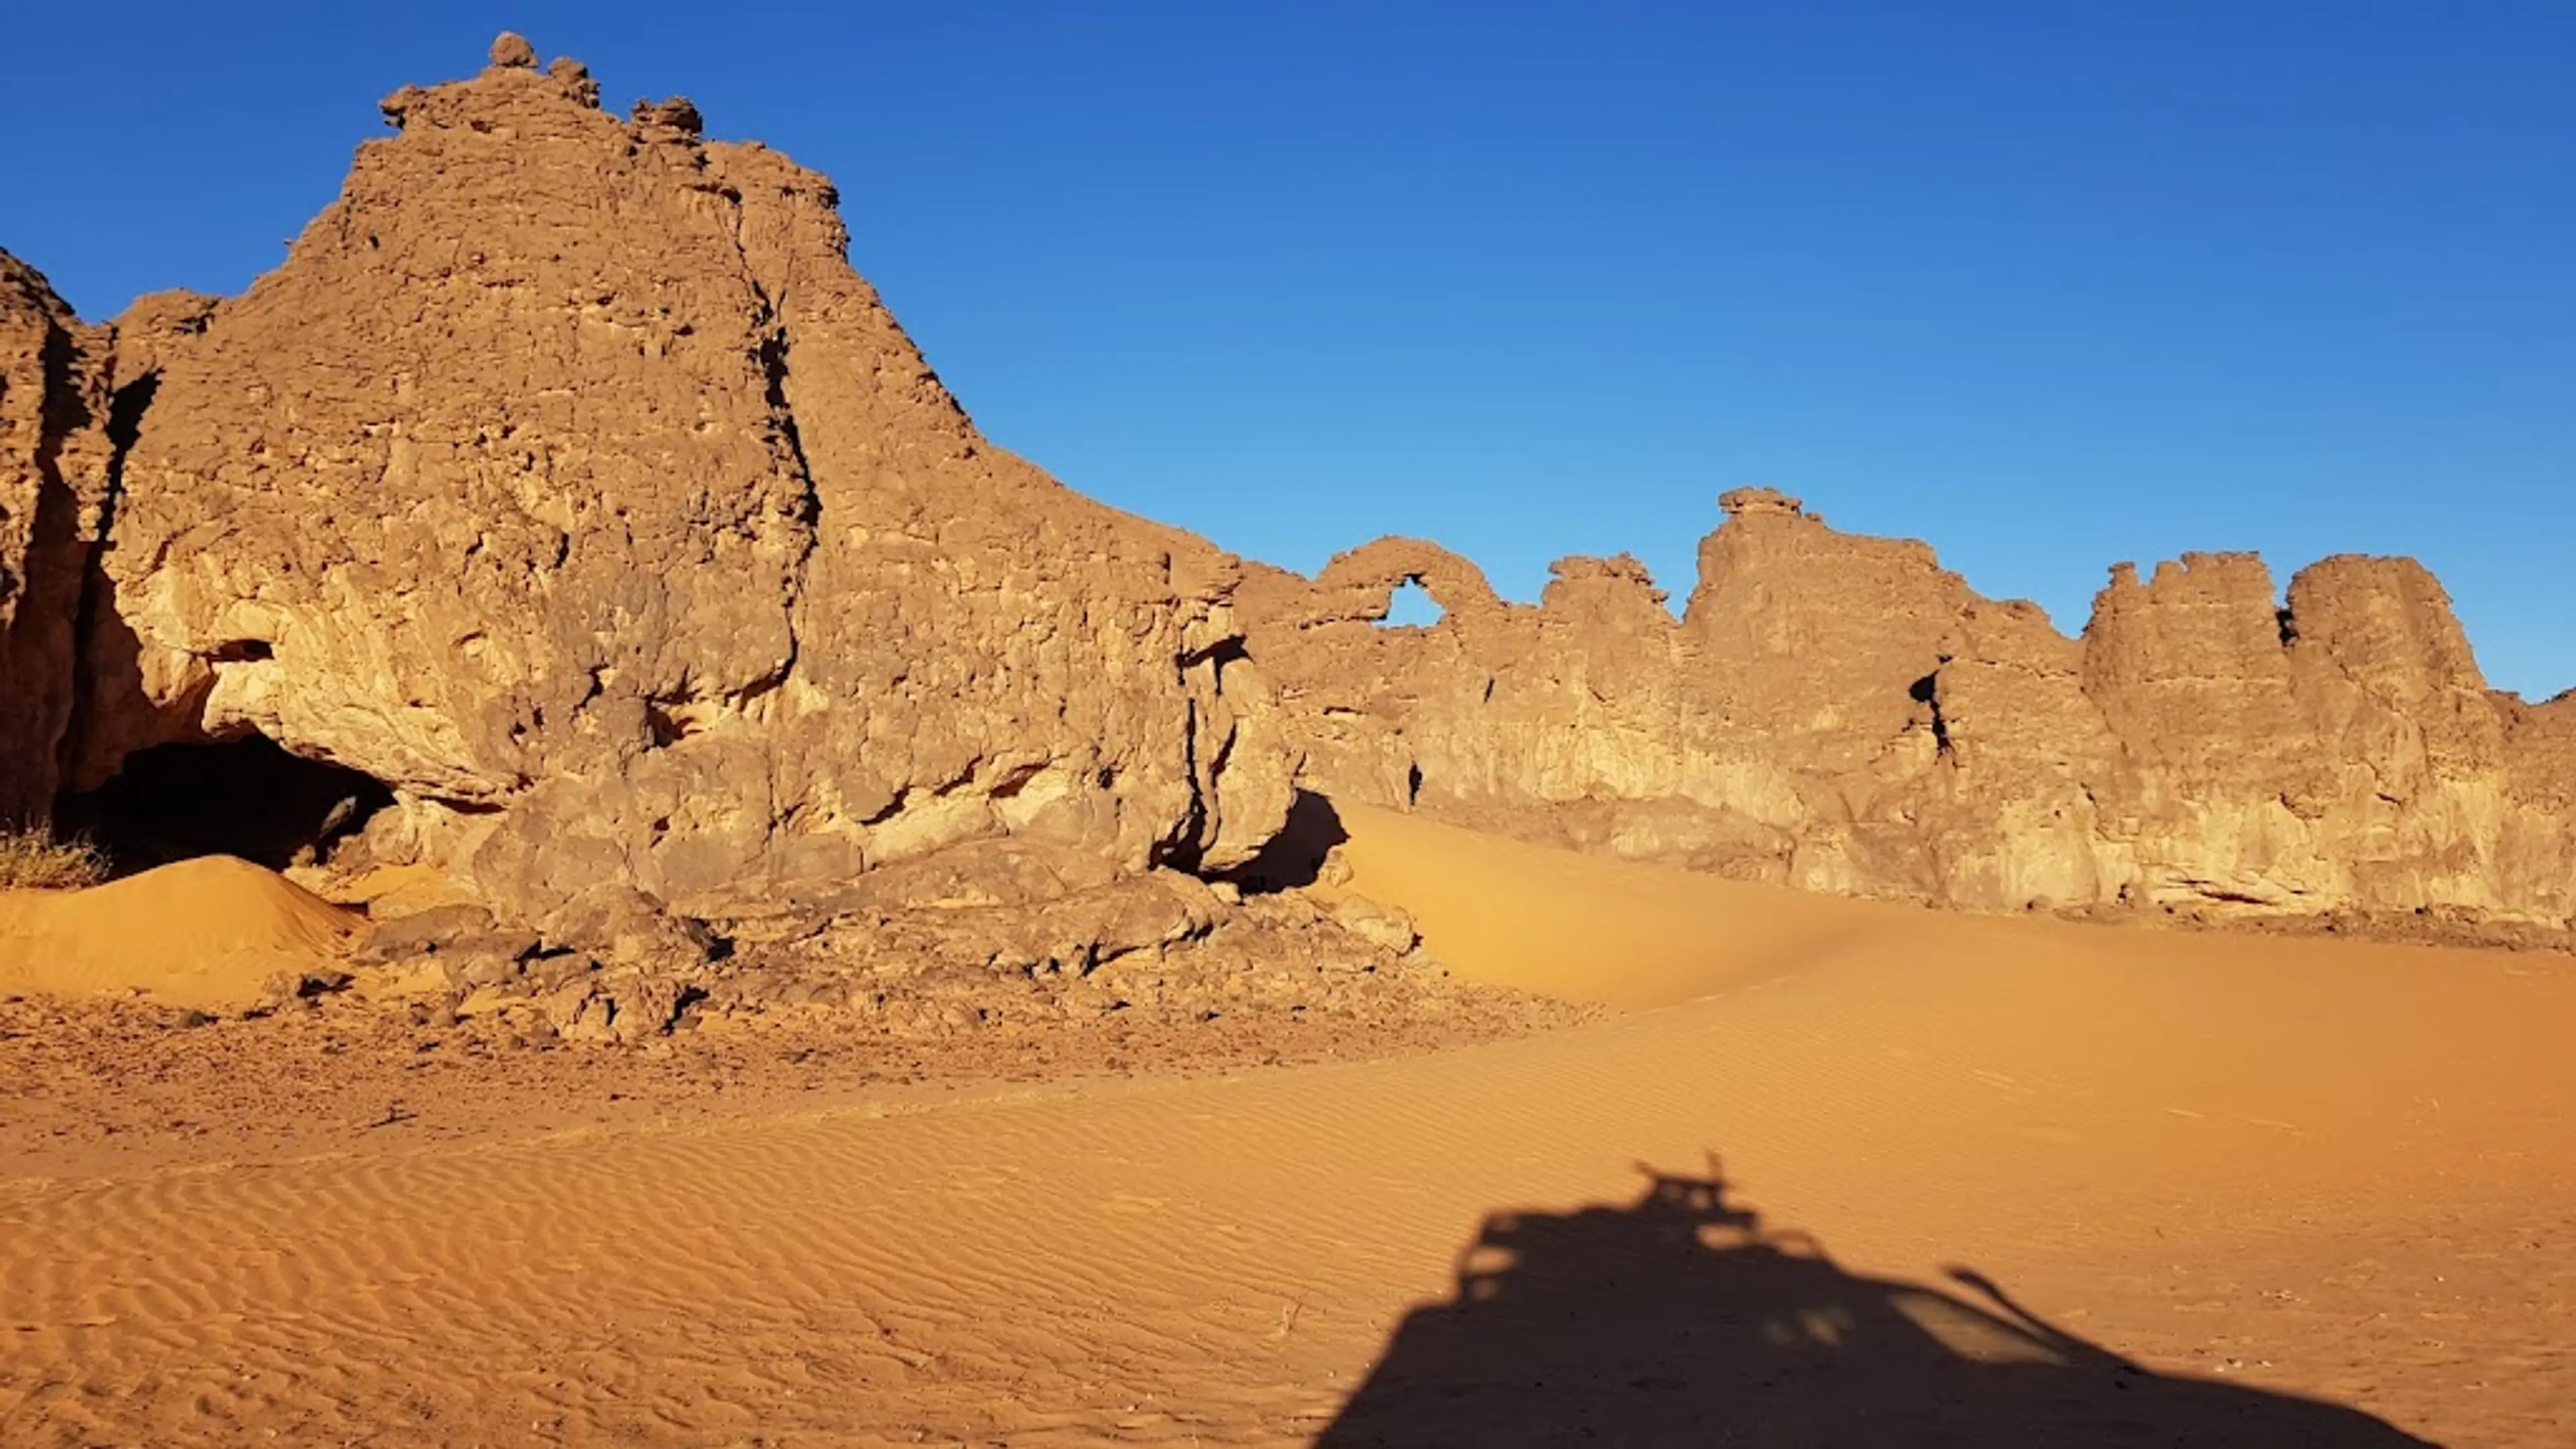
<point x="31" y="859"/>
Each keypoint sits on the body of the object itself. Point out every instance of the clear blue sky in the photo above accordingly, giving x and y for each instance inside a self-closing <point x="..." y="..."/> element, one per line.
<point x="2049" y="284"/>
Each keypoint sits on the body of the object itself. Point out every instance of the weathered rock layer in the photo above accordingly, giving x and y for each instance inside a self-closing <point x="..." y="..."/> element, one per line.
<point x="1840" y="713"/>
<point x="54" y="466"/>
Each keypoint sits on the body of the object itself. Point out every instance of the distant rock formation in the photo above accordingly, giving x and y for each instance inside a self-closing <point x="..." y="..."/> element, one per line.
<point x="1840" y="713"/>
<point x="566" y="484"/>
<point x="567" y="481"/>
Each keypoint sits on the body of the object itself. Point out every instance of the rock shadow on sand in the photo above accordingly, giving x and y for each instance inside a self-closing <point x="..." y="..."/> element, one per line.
<point x="1679" y="1319"/>
<point x="1295" y="856"/>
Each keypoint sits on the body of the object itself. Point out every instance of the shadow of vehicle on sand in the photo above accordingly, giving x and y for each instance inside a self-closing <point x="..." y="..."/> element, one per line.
<point x="1680" y="1320"/>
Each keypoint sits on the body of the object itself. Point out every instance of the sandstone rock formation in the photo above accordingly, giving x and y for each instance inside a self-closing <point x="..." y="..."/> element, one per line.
<point x="1840" y="713"/>
<point x="567" y="486"/>
<point x="566" y="480"/>
<point x="54" y="455"/>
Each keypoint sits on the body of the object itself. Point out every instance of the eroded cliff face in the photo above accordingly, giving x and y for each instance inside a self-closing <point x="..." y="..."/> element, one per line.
<point x="567" y="480"/>
<point x="55" y="458"/>
<point x="1840" y="713"/>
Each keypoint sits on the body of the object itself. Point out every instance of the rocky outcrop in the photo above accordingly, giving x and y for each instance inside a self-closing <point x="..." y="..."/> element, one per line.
<point x="1840" y="713"/>
<point x="567" y="484"/>
<point x="566" y="480"/>
<point x="55" y="459"/>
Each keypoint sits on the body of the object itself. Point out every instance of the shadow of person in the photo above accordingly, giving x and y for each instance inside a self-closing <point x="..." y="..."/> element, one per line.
<point x="1680" y="1320"/>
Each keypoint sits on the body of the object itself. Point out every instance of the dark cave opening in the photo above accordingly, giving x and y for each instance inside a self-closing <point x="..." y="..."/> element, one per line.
<point x="246" y="797"/>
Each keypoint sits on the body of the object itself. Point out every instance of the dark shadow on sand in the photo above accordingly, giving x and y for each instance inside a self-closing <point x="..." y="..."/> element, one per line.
<point x="1680" y="1320"/>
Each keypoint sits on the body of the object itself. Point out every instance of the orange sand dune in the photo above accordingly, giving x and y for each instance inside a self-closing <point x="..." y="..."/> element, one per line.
<point x="201" y="933"/>
<point x="1988" y="1182"/>
<point x="1595" y="928"/>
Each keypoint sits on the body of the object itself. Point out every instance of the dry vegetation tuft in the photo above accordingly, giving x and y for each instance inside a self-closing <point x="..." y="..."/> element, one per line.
<point x="32" y="859"/>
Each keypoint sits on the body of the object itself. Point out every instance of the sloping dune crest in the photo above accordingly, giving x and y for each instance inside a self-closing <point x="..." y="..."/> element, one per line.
<point x="1595" y="928"/>
<point x="1917" y="1178"/>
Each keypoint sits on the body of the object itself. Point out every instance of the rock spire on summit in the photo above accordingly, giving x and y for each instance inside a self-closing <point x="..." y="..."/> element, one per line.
<point x="511" y="51"/>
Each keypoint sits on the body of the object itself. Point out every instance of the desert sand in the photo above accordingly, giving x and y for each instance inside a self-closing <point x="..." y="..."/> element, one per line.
<point x="208" y="933"/>
<point x="1983" y="1181"/>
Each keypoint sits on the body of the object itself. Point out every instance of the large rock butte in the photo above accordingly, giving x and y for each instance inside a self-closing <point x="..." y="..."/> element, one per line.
<point x="567" y="481"/>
